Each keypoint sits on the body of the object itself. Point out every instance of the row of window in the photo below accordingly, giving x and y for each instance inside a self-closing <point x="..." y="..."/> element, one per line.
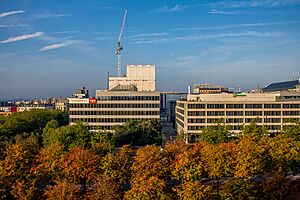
<point x="77" y="105"/>
<point x="128" y="98"/>
<point x="269" y="127"/>
<point x="114" y="113"/>
<point x="105" y="120"/>
<point x="239" y="120"/>
<point x="100" y="127"/>
<point x="238" y="106"/>
<point x="242" y="113"/>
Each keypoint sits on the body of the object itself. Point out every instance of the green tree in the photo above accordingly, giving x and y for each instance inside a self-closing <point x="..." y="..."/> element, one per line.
<point x="138" y="133"/>
<point x="30" y="121"/>
<point x="292" y="130"/>
<point x="215" y="134"/>
<point x="68" y="136"/>
<point x="255" y="130"/>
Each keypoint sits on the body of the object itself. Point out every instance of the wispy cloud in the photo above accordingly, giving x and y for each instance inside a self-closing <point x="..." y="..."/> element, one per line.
<point x="232" y="26"/>
<point x="50" y="15"/>
<point x="206" y="37"/>
<point x="223" y="12"/>
<point x="11" y="13"/>
<point x="12" y="25"/>
<point x="166" y="9"/>
<point x="22" y="37"/>
<point x="147" y="35"/>
<point x="55" y="46"/>
<point x="255" y="3"/>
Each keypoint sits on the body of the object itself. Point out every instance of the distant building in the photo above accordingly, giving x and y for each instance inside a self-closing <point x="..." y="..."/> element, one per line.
<point x="137" y="78"/>
<point x="168" y="104"/>
<point x="272" y="110"/>
<point x="283" y="86"/>
<point x="209" y="88"/>
<point x="61" y="104"/>
<point x="81" y="93"/>
<point x="22" y="108"/>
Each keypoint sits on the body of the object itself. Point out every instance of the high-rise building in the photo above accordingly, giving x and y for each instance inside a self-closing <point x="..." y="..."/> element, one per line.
<point x="273" y="110"/>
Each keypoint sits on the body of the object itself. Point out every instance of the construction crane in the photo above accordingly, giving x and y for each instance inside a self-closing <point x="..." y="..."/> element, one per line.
<point x="119" y="47"/>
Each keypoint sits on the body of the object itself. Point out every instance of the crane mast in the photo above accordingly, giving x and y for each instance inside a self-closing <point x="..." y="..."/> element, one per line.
<point x="119" y="47"/>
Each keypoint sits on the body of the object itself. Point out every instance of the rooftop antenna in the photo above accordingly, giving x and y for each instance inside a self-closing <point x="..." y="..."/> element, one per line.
<point x="119" y="47"/>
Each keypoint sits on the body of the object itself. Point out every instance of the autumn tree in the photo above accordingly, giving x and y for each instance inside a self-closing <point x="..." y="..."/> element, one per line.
<point x="15" y="169"/>
<point x="193" y="190"/>
<point x="251" y="157"/>
<point x="188" y="165"/>
<point x="237" y="188"/>
<point x="148" y="174"/>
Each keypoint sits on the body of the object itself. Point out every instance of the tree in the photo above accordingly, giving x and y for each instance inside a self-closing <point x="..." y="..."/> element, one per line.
<point x="251" y="158"/>
<point x="148" y="174"/>
<point x="63" y="190"/>
<point x="215" y="134"/>
<point x="284" y="152"/>
<point x="237" y="188"/>
<point x="255" y="130"/>
<point x="138" y="133"/>
<point x="102" y="142"/>
<point x="188" y="165"/>
<point x="68" y="136"/>
<point x="151" y="188"/>
<point x="103" y="188"/>
<point x="15" y="167"/>
<point x="292" y="130"/>
<point x="30" y="121"/>
<point x="278" y="187"/>
<point x="117" y="166"/>
<point x="193" y="190"/>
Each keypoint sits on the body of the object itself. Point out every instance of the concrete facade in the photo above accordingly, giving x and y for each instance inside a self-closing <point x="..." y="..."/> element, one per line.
<point x="272" y="110"/>
<point x="112" y="108"/>
<point x="140" y="76"/>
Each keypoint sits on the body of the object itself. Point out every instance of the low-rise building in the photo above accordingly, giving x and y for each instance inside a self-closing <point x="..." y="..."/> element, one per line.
<point x="112" y="108"/>
<point x="272" y="110"/>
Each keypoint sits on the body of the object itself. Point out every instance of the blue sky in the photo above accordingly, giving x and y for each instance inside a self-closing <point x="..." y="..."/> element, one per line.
<point x="50" y="48"/>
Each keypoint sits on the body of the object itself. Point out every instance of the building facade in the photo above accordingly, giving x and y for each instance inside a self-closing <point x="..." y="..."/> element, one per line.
<point x="142" y="77"/>
<point x="272" y="110"/>
<point x="112" y="108"/>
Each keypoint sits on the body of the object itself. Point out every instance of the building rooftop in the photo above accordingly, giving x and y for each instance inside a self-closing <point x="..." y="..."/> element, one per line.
<point x="279" y="86"/>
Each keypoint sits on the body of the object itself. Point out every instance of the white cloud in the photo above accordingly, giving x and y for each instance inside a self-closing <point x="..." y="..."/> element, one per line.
<point x="22" y="37"/>
<point x="55" y="46"/>
<point x="148" y="35"/>
<point x="11" y="13"/>
<point x="166" y="9"/>
<point x="256" y="3"/>
<point x="206" y="37"/>
<point x="222" y="12"/>
<point x="232" y="26"/>
<point x="50" y="15"/>
<point x="12" y="25"/>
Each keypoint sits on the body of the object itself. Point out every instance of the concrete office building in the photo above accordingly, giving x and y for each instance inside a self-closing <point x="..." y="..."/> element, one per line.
<point x="141" y="77"/>
<point x="128" y="98"/>
<point x="272" y="110"/>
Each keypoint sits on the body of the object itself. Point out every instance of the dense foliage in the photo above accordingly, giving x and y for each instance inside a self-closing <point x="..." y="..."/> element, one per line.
<point x="68" y="162"/>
